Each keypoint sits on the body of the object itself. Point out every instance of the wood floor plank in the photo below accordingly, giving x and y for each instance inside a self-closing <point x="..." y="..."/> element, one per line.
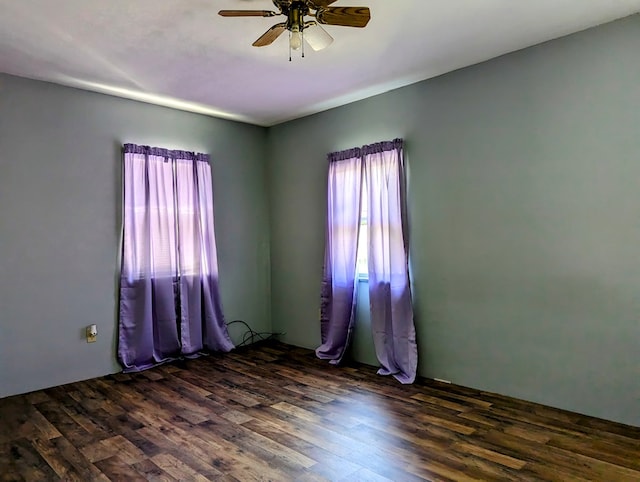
<point x="163" y="395"/>
<point x="276" y="412"/>
<point x="334" y="442"/>
<point x="600" y="450"/>
<point x="151" y="471"/>
<point x="241" y="463"/>
<point x="56" y="460"/>
<point x="490" y="455"/>
<point x="544" y="471"/>
<point x="276" y="459"/>
<point x="528" y="433"/>
<point x="566" y="460"/>
<point x="446" y="392"/>
<point x="72" y="454"/>
<point x="298" y="412"/>
<point x="21" y="461"/>
<point x="46" y="429"/>
<point x="60" y="419"/>
<point x="116" y="469"/>
<point x="365" y="475"/>
<point x="312" y="393"/>
<point x="127" y="451"/>
<point x="36" y="397"/>
<point x="266" y="448"/>
<point x="328" y="465"/>
<point x="440" y="402"/>
<point x="202" y="455"/>
<point x="446" y="458"/>
<point x="176" y="468"/>
<point x="16" y="421"/>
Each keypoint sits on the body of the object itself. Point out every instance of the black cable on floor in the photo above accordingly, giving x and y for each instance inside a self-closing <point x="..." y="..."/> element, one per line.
<point x="251" y="336"/>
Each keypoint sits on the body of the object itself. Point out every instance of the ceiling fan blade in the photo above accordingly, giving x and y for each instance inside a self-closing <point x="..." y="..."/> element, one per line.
<point x="317" y="37"/>
<point x="246" y="13"/>
<point x="281" y="3"/>
<point x="270" y="35"/>
<point x="344" y="16"/>
<point x="322" y="3"/>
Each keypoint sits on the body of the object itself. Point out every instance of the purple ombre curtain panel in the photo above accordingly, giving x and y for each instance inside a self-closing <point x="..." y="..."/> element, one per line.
<point x="169" y="297"/>
<point x="338" y="296"/>
<point x="394" y="334"/>
<point x="391" y="309"/>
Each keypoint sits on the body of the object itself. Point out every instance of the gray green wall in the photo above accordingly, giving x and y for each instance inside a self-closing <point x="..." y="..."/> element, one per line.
<point x="60" y="167"/>
<point x="524" y="200"/>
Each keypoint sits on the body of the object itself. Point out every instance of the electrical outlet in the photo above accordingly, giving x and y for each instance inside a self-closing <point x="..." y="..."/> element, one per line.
<point x="92" y="333"/>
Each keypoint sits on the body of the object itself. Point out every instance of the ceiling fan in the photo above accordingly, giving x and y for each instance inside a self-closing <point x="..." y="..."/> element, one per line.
<point x="301" y="30"/>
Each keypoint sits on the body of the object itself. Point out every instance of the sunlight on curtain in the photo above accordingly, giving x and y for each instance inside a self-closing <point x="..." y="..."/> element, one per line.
<point x="169" y="295"/>
<point x="380" y="209"/>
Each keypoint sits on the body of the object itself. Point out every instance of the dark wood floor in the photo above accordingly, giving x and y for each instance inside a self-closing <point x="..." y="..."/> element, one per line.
<point x="273" y="412"/>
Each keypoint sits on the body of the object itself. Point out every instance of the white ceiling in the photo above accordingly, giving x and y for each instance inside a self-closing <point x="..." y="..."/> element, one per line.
<point x="180" y="53"/>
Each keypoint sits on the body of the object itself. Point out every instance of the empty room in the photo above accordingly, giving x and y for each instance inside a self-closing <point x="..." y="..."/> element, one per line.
<point x="320" y="240"/>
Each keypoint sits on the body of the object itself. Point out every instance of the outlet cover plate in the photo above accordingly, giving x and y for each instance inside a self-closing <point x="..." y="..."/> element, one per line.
<point x="91" y="338"/>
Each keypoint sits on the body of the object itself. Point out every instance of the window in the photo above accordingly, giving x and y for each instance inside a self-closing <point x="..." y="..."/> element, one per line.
<point x="362" y="267"/>
<point x="169" y="213"/>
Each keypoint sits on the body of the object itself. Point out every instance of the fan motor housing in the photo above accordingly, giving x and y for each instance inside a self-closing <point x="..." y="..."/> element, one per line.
<point x="295" y="15"/>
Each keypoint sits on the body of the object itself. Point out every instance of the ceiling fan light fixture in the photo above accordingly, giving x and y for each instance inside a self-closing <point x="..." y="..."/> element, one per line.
<point x="317" y="37"/>
<point x="300" y="30"/>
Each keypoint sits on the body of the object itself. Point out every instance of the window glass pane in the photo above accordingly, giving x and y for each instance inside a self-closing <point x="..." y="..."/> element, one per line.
<point x="149" y="238"/>
<point x="362" y="269"/>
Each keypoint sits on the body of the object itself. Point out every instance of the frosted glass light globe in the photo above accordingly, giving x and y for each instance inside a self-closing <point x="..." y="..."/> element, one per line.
<point x="295" y="40"/>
